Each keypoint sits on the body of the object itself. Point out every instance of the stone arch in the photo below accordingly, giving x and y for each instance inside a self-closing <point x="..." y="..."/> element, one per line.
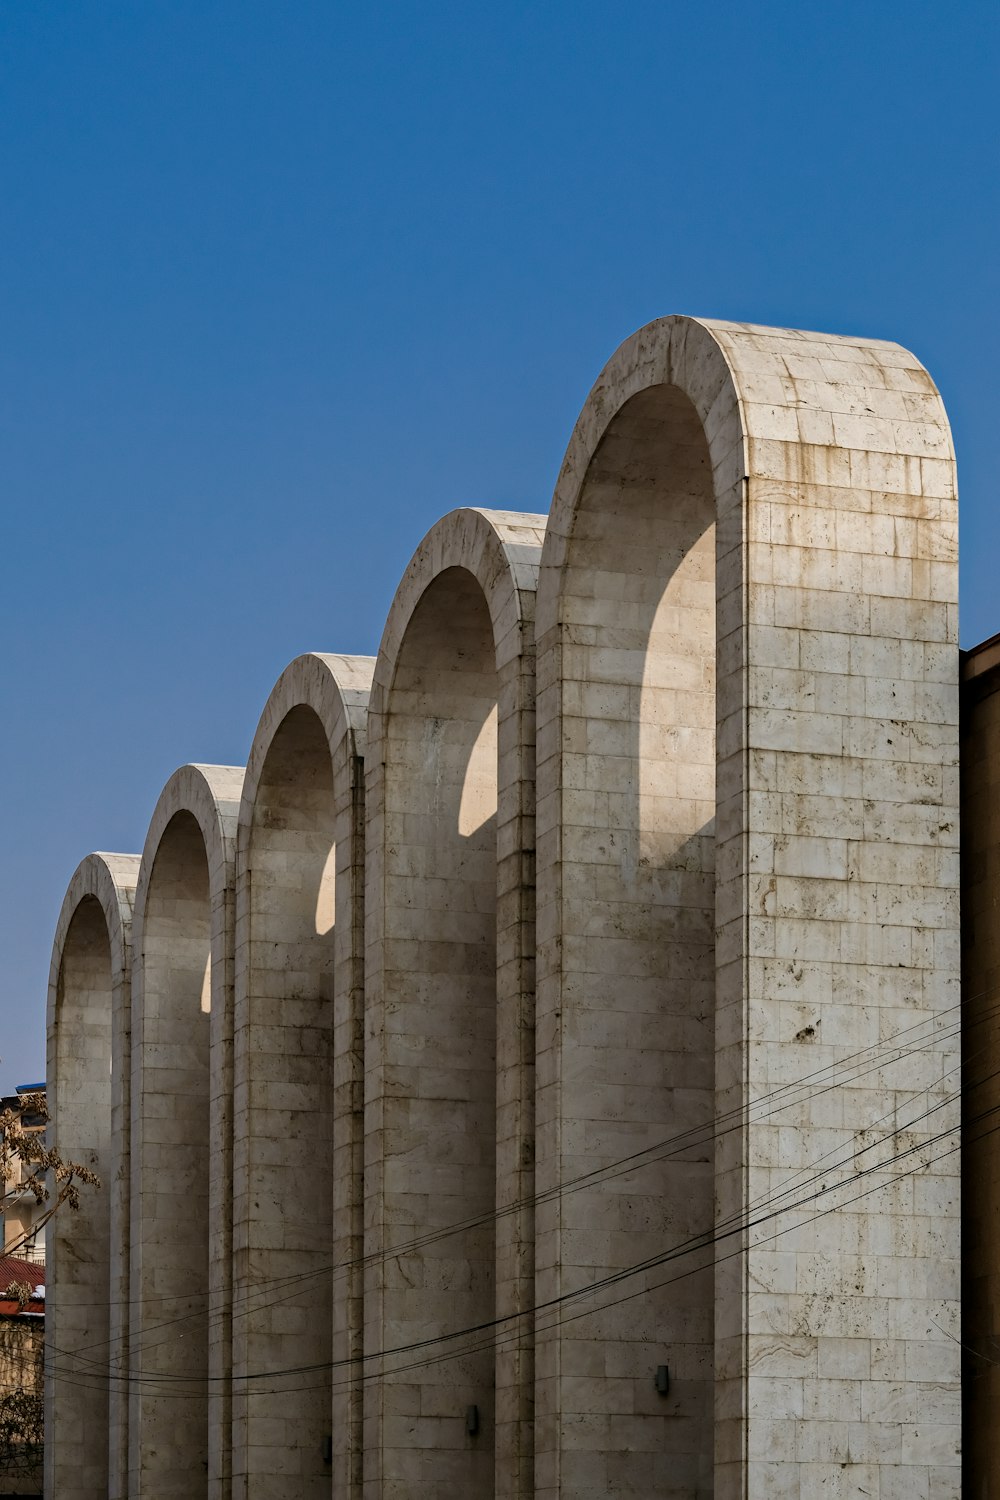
<point x="697" y="844"/>
<point x="449" y="1028"/>
<point x="87" y="1029"/>
<point x="299" y="1085"/>
<point x="181" y="1157"/>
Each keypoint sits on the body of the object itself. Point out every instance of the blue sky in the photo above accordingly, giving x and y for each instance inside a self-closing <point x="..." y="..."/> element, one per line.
<point x="281" y="284"/>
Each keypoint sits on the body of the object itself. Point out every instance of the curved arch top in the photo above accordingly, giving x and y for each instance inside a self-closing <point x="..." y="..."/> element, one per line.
<point x="764" y="395"/>
<point x="673" y="351"/>
<point x="212" y="795"/>
<point x="643" y="818"/>
<point x="298" y="1076"/>
<point x="450" y="1011"/>
<point x="335" y="687"/>
<point x="87" y="1029"/>
<point x="501" y="549"/>
<point x="111" y="879"/>
<point x="746" y="633"/>
<point x="183" y="932"/>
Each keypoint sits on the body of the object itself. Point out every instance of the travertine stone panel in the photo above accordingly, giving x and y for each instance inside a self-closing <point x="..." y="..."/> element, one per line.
<point x="836" y="910"/>
<point x="449" y="1014"/>
<point x="181" y="1148"/>
<point x="87" y="1024"/>
<point x="981" y="1049"/>
<point x="298" y="1087"/>
<point x="745" y="1069"/>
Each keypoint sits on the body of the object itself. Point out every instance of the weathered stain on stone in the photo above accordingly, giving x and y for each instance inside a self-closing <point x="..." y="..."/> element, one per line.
<point x="589" y="924"/>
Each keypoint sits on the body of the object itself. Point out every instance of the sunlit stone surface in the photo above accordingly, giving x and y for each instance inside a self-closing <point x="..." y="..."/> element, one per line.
<point x="581" y="1004"/>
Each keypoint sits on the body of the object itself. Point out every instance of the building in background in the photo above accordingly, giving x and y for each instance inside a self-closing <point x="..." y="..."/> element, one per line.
<point x="22" y="1309"/>
<point x="23" y="1232"/>
<point x="22" y="1336"/>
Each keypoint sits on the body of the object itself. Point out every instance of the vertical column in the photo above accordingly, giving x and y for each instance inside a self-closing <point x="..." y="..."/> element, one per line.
<point x="90" y="973"/>
<point x="626" y="945"/>
<point x="515" y="1061"/>
<point x="180" y="1175"/>
<point x="220" y="1135"/>
<point x="282" y="1243"/>
<point x="851" y="1064"/>
<point x="348" y="1094"/>
<point x="297" y="1191"/>
<point x="449" y="1017"/>
<point x="171" y="1225"/>
<point x="835" y="895"/>
<point x="433" y="1042"/>
<point x="119" y="1194"/>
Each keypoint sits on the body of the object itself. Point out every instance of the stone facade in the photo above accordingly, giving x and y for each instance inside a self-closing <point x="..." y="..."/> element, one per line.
<point x="980" y="1050"/>
<point x="537" y="1075"/>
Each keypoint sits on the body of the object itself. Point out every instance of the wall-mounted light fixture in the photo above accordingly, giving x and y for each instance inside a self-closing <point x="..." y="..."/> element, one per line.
<point x="663" y="1379"/>
<point x="472" y="1420"/>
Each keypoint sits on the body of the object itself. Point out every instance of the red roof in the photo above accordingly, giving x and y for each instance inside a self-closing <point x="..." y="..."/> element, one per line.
<point x="25" y="1273"/>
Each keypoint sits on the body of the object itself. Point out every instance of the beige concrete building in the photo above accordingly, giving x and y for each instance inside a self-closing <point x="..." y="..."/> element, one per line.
<point x="537" y="1075"/>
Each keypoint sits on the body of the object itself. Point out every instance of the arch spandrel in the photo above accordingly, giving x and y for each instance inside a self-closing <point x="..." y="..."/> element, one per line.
<point x="449" y="1105"/>
<point x="181" y="1132"/>
<point x="299" y="1085"/>
<point x="833" y="491"/>
<point x="87" y="1028"/>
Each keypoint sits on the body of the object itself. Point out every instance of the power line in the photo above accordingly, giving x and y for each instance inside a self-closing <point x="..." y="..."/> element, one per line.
<point x="674" y="1253"/>
<point x="725" y="1231"/>
<point x="392" y="1254"/>
<point x="657" y="1151"/>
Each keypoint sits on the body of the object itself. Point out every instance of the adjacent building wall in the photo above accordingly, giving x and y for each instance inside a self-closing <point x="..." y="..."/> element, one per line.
<point x="981" y="1066"/>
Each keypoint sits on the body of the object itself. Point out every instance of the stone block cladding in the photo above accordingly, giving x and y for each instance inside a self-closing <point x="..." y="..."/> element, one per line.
<point x="536" y="1076"/>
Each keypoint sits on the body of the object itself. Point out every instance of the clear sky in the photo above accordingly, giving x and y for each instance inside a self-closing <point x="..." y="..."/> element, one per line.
<point x="283" y="283"/>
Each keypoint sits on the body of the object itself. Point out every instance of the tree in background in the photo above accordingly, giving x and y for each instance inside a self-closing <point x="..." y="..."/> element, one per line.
<point x="26" y="1164"/>
<point x="28" y="1168"/>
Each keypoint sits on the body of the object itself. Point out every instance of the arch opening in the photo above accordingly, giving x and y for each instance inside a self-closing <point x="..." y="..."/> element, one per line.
<point x="639" y="796"/>
<point x="441" y="995"/>
<point x="171" y="1248"/>
<point x="284" y="1119"/>
<point x="81" y="1243"/>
